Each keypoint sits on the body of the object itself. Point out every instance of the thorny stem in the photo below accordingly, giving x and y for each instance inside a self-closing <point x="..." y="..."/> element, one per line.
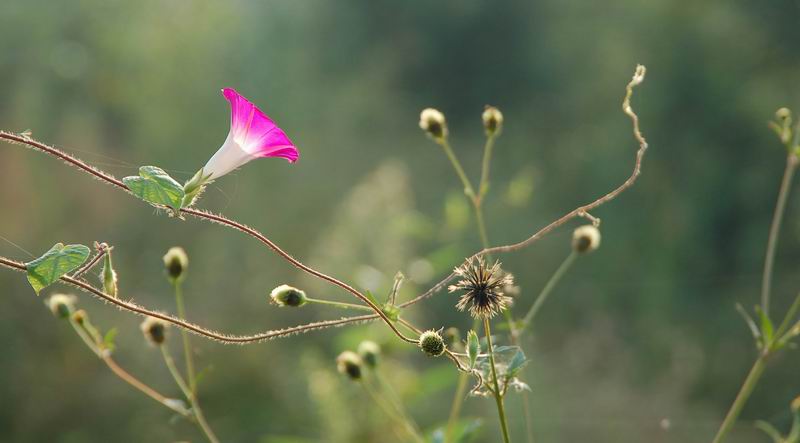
<point x="101" y="252"/>
<point x="240" y="339"/>
<point x="187" y="347"/>
<point x="191" y="395"/>
<point x="741" y="398"/>
<point x="548" y="288"/>
<point x="498" y="396"/>
<point x="775" y="228"/>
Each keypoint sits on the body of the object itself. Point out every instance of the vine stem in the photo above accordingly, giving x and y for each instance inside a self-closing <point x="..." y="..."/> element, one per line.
<point x="775" y="228"/>
<point x="498" y="396"/>
<point x="741" y="398"/>
<point x="108" y="178"/>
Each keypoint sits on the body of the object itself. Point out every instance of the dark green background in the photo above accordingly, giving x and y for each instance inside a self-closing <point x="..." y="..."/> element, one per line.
<point x="642" y="330"/>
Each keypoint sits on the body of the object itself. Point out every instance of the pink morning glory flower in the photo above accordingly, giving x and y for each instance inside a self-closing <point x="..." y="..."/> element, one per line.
<point x="252" y="135"/>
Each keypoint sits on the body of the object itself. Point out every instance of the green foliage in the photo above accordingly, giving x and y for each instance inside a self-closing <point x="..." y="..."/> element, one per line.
<point x="155" y="186"/>
<point x="54" y="264"/>
<point x="109" y="340"/>
<point x="473" y="347"/>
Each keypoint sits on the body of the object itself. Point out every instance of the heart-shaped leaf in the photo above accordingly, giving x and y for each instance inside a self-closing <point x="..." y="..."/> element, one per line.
<point x="55" y="263"/>
<point x="153" y="185"/>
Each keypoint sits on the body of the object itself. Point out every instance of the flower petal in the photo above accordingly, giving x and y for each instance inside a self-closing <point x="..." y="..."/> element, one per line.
<point x="255" y="132"/>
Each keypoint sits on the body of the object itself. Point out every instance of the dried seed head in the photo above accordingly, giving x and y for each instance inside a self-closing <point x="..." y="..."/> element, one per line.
<point x="433" y="122"/>
<point x="484" y="288"/>
<point x="61" y="305"/>
<point x="492" y="120"/>
<point x="585" y="239"/>
<point x="176" y="262"/>
<point x="285" y="295"/>
<point x="349" y="363"/>
<point x="432" y="343"/>
<point x="369" y="351"/>
<point x="154" y="330"/>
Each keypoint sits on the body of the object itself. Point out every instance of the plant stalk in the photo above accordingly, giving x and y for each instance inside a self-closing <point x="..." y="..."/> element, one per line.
<point x="498" y="396"/>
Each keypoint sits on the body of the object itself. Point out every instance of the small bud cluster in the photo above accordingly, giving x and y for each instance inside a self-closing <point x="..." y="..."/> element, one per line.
<point x="154" y="330"/>
<point x="492" y="120"/>
<point x="432" y="343"/>
<point x="285" y="295"/>
<point x="176" y="262"/>
<point x="369" y="351"/>
<point x="61" y="305"/>
<point x="585" y="239"/>
<point x="349" y="363"/>
<point x="433" y="122"/>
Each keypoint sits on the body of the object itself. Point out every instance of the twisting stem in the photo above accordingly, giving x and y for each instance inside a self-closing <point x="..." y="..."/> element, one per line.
<point x="741" y="398"/>
<point x="548" y="288"/>
<point x="498" y="396"/>
<point x="191" y="395"/>
<point x="187" y="347"/>
<point x="775" y="228"/>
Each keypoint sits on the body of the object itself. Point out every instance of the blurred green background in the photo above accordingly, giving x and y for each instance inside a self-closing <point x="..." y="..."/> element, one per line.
<point x="641" y="342"/>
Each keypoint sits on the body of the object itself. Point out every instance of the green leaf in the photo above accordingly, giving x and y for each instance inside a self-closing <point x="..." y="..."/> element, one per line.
<point x="517" y="362"/>
<point x="109" y="339"/>
<point x="54" y="264"/>
<point x="767" y="330"/>
<point x="473" y="347"/>
<point x="153" y="185"/>
<point x="371" y="297"/>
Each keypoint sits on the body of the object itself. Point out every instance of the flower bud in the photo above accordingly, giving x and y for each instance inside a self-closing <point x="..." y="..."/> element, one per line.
<point x="432" y="121"/>
<point x="492" y="120"/>
<point x="585" y="239"/>
<point x="176" y="262"/>
<point x="154" y="330"/>
<point x="61" y="305"/>
<point x="369" y="351"/>
<point x="431" y="343"/>
<point x="109" y="276"/>
<point x="349" y="363"/>
<point x="783" y="114"/>
<point x="796" y="404"/>
<point x="80" y="316"/>
<point x="285" y="295"/>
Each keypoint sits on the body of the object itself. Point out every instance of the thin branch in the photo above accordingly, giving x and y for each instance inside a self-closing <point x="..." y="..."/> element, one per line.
<point x="108" y="178"/>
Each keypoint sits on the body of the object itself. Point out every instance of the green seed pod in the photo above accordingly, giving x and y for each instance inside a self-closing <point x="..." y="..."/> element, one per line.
<point x="585" y="239"/>
<point x="349" y="363"/>
<point x="176" y="262"/>
<point x="154" y="330"/>
<point x="61" y="305"/>
<point x="432" y="343"/>
<point x="369" y="351"/>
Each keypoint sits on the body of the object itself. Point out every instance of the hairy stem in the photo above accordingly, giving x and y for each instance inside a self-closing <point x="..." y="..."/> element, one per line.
<point x="498" y="396"/>
<point x="775" y="228"/>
